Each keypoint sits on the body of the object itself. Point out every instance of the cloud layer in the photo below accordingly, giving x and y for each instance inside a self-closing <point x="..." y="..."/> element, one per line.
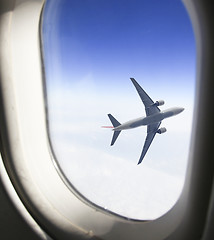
<point x="110" y="176"/>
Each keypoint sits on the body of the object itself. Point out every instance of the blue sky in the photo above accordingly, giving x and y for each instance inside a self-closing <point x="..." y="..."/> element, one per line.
<point x="91" y="49"/>
<point x="118" y="39"/>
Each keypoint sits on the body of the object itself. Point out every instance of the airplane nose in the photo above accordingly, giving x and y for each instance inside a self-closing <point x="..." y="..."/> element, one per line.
<point x="179" y="110"/>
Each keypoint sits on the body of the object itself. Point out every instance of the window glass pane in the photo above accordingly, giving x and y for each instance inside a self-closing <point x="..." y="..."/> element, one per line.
<point x="91" y="48"/>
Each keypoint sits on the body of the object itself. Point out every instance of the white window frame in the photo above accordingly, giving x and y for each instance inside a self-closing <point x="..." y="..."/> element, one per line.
<point x="27" y="156"/>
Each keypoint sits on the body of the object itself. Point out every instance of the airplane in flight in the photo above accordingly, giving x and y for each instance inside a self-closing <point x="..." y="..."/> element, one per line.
<point x="153" y="119"/>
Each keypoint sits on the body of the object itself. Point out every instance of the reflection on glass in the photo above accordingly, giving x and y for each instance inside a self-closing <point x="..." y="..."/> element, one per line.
<point x="91" y="49"/>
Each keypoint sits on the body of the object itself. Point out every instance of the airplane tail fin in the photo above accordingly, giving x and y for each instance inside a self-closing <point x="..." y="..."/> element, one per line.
<point x="115" y="123"/>
<point x="115" y="136"/>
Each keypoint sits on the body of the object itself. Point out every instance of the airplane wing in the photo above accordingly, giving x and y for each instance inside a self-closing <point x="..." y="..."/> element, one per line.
<point x="151" y="131"/>
<point x="150" y="108"/>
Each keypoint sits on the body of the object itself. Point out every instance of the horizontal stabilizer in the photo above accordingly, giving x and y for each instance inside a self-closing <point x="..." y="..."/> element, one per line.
<point x="115" y="136"/>
<point x="114" y="122"/>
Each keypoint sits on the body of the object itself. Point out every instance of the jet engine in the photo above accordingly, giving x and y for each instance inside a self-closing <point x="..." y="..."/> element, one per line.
<point x="159" y="103"/>
<point x="161" y="130"/>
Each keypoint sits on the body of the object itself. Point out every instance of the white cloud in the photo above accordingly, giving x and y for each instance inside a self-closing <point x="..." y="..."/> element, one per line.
<point x="110" y="176"/>
<point x="119" y="185"/>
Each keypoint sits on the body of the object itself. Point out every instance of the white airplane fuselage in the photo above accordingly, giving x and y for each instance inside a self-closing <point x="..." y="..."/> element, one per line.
<point x="155" y="118"/>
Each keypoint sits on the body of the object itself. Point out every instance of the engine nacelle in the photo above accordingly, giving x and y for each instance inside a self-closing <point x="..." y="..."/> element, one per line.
<point x="161" y="130"/>
<point x="159" y="103"/>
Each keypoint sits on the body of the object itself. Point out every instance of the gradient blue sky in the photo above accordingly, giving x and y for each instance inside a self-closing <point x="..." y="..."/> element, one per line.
<point x="116" y="40"/>
<point x="91" y="49"/>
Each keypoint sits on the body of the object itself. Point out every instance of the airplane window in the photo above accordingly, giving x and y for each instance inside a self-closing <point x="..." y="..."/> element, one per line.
<point x="91" y="49"/>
